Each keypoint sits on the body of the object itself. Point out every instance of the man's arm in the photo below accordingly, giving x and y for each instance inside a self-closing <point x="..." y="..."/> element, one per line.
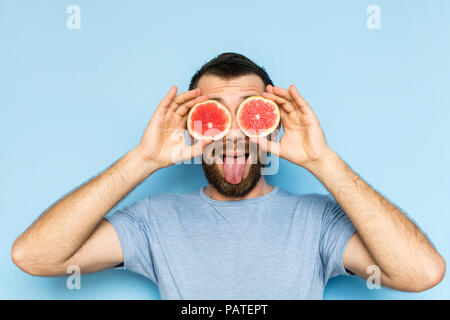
<point x="73" y="231"/>
<point x="385" y="236"/>
<point x="52" y="242"/>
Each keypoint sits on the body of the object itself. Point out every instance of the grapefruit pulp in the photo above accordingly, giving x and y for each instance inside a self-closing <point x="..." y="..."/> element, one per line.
<point x="258" y="116"/>
<point x="209" y="120"/>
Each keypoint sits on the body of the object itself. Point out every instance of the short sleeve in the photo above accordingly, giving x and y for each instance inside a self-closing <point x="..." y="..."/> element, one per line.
<point x="131" y="225"/>
<point x="336" y="231"/>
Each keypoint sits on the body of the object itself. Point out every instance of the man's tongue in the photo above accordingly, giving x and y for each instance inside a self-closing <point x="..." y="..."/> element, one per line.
<point x="233" y="168"/>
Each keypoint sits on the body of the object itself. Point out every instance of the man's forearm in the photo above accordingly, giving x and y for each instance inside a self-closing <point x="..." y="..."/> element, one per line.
<point x="397" y="245"/>
<point x="65" y="226"/>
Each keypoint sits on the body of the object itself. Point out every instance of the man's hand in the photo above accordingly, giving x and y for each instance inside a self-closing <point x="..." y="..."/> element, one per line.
<point x="163" y="142"/>
<point x="303" y="141"/>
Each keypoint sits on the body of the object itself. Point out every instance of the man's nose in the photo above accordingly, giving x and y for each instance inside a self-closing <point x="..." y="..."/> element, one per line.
<point x="235" y="132"/>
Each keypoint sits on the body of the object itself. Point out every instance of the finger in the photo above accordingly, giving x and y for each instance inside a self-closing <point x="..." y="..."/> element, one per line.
<point x="302" y="104"/>
<point x="286" y="105"/>
<point x="286" y="95"/>
<point x="167" y="100"/>
<point x="269" y="88"/>
<point x="267" y="145"/>
<point x="183" y="109"/>
<point x="184" y="97"/>
<point x="282" y="93"/>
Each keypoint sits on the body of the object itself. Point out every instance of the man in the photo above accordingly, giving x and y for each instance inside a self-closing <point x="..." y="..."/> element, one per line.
<point x="239" y="237"/>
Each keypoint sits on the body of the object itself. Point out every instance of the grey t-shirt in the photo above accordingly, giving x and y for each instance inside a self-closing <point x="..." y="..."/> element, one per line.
<point x="277" y="246"/>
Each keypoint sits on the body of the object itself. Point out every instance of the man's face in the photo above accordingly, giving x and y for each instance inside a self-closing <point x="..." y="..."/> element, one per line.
<point x="237" y="167"/>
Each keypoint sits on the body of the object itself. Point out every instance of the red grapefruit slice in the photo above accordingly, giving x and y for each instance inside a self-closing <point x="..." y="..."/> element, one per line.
<point x="209" y="120"/>
<point x="258" y="116"/>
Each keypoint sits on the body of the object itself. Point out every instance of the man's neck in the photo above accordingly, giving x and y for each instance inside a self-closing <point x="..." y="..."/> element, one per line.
<point x="261" y="188"/>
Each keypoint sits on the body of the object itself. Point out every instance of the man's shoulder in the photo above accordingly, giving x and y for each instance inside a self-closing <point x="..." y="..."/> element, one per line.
<point x="195" y="195"/>
<point x="173" y="198"/>
<point x="317" y="198"/>
<point x="282" y="198"/>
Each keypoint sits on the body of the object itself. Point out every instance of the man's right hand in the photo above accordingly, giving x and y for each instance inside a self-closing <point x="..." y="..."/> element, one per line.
<point x="163" y="142"/>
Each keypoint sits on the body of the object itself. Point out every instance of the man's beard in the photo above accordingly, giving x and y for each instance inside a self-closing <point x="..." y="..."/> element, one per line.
<point x="241" y="189"/>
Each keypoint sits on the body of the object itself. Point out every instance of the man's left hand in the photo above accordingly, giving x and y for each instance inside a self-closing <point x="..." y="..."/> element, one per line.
<point x="303" y="141"/>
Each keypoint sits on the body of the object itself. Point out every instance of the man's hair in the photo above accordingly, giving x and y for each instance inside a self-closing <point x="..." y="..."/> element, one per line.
<point x="230" y="65"/>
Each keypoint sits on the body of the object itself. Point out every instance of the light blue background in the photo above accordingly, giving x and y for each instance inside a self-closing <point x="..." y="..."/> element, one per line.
<point x="74" y="101"/>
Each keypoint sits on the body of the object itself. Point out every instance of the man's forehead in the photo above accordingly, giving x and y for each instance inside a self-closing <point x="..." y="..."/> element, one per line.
<point x="212" y="84"/>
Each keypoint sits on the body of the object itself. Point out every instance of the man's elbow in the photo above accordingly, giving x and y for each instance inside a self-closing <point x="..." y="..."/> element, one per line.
<point x="24" y="261"/>
<point x="438" y="272"/>
<point x="432" y="276"/>
<point x="20" y="258"/>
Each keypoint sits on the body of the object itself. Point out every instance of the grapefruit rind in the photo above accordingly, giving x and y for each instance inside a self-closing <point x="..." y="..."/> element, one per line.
<point x="252" y="133"/>
<point x="218" y="136"/>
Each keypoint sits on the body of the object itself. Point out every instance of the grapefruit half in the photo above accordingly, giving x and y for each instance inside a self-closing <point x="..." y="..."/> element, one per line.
<point x="258" y="116"/>
<point x="209" y="120"/>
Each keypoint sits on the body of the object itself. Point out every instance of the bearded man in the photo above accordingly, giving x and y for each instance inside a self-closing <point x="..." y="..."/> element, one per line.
<point x="238" y="237"/>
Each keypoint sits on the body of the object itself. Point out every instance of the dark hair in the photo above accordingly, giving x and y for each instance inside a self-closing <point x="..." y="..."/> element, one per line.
<point x="230" y="65"/>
